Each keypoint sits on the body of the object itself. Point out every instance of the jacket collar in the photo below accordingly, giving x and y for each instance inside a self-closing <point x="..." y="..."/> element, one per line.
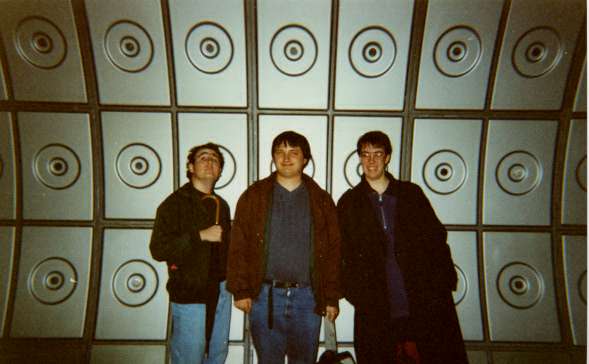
<point x="393" y="187"/>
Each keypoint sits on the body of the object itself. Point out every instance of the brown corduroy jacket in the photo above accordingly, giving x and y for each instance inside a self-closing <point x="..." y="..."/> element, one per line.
<point x="246" y="265"/>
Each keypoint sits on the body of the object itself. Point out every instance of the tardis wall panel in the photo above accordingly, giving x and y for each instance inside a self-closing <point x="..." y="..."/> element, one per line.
<point x="53" y="282"/>
<point x="129" y="51"/>
<point x="574" y="194"/>
<point x="3" y="86"/>
<point x="122" y="354"/>
<point x="133" y="298"/>
<point x="536" y="54"/>
<point x="138" y="163"/>
<point x="7" y="168"/>
<point x="372" y="54"/>
<point x="209" y="52"/>
<point x="314" y="128"/>
<point x="456" y="53"/>
<point x="445" y="163"/>
<point x="6" y="266"/>
<point x="346" y="162"/>
<point x="56" y="165"/>
<point x="575" y="273"/>
<point x="581" y="95"/>
<point x="293" y="53"/>
<point x="41" y="45"/>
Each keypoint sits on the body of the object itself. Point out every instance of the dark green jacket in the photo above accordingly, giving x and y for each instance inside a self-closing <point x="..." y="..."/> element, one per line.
<point x="175" y="239"/>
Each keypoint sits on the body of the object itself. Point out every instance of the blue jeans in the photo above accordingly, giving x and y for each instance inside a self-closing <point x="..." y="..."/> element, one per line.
<point x="296" y="326"/>
<point x="188" y="341"/>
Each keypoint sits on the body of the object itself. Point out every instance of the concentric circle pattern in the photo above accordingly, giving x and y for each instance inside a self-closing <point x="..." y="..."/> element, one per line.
<point x="457" y="51"/>
<point x="352" y="169"/>
<point x="293" y="50"/>
<point x="229" y="169"/>
<point x="56" y="166"/>
<point x="309" y="169"/>
<point x="372" y="52"/>
<point x="444" y="172"/>
<point x="53" y="281"/>
<point x="209" y="47"/>
<point x="581" y="173"/>
<point x="520" y="285"/>
<point x="128" y="46"/>
<point x="135" y="283"/>
<point x="462" y="286"/>
<point x="537" y="52"/>
<point x="519" y="173"/>
<point x="40" y="43"/>
<point x="138" y="166"/>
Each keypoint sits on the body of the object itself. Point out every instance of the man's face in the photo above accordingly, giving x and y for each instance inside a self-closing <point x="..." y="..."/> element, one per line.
<point x="206" y="166"/>
<point x="374" y="161"/>
<point x="289" y="160"/>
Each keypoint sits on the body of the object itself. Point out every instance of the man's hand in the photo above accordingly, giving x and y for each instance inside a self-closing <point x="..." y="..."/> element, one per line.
<point x="244" y="304"/>
<point x="331" y="313"/>
<point x="212" y="233"/>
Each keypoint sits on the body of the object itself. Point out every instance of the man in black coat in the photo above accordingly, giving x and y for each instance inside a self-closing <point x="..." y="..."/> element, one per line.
<point x="191" y="234"/>
<point x="397" y="269"/>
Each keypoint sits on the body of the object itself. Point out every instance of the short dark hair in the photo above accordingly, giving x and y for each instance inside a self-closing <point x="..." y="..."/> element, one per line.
<point x="294" y="140"/>
<point x="192" y="154"/>
<point x="377" y="139"/>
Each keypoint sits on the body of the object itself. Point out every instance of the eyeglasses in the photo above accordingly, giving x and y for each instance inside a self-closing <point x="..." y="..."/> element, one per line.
<point x="376" y="155"/>
<point x="207" y="157"/>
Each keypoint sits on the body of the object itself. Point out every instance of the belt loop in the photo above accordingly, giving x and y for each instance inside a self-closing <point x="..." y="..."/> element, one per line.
<point x="270" y="307"/>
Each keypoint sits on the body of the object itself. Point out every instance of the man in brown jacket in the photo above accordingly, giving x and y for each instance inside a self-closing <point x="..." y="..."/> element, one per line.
<point x="284" y="257"/>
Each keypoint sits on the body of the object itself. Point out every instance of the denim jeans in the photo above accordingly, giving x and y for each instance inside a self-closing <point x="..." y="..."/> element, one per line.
<point x="188" y="341"/>
<point x="296" y="326"/>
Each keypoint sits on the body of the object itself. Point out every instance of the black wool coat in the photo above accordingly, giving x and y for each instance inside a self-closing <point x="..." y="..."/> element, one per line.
<point x="424" y="259"/>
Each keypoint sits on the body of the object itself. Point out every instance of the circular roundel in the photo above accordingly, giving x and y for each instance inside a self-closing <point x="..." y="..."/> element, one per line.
<point x="138" y="165"/>
<point x="583" y="286"/>
<point x="581" y="173"/>
<point x="309" y="168"/>
<point x="519" y="173"/>
<point x="209" y="48"/>
<point x="520" y="285"/>
<point x="293" y="50"/>
<point x="229" y="169"/>
<point x="40" y="43"/>
<point x="372" y="52"/>
<point x="444" y="172"/>
<point x="53" y="281"/>
<point x="462" y="286"/>
<point x="128" y="46"/>
<point x="135" y="283"/>
<point x="56" y="166"/>
<point x="457" y="51"/>
<point x="537" y="52"/>
<point x="352" y="169"/>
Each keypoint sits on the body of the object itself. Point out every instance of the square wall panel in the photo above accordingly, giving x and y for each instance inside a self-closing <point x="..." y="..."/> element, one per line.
<point x="463" y="245"/>
<point x="314" y="128"/>
<point x="574" y="249"/>
<point x="530" y="358"/>
<point x="6" y="258"/>
<point x="42" y="51"/>
<point x="518" y="172"/>
<point x="236" y="354"/>
<point x="538" y="46"/>
<point x="209" y="52"/>
<point x="133" y="301"/>
<point x="347" y="170"/>
<point x="53" y="282"/>
<point x="123" y="354"/>
<point x="229" y="131"/>
<point x="574" y="194"/>
<point x="373" y="48"/>
<point x="138" y="167"/>
<point x="445" y="163"/>
<point x="456" y="54"/>
<point x="56" y="157"/>
<point x="519" y="282"/>
<point x="129" y="51"/>
<point x="7" y="175"/>
<point x="293" y="53"/>
<point x="581" y="97"/>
